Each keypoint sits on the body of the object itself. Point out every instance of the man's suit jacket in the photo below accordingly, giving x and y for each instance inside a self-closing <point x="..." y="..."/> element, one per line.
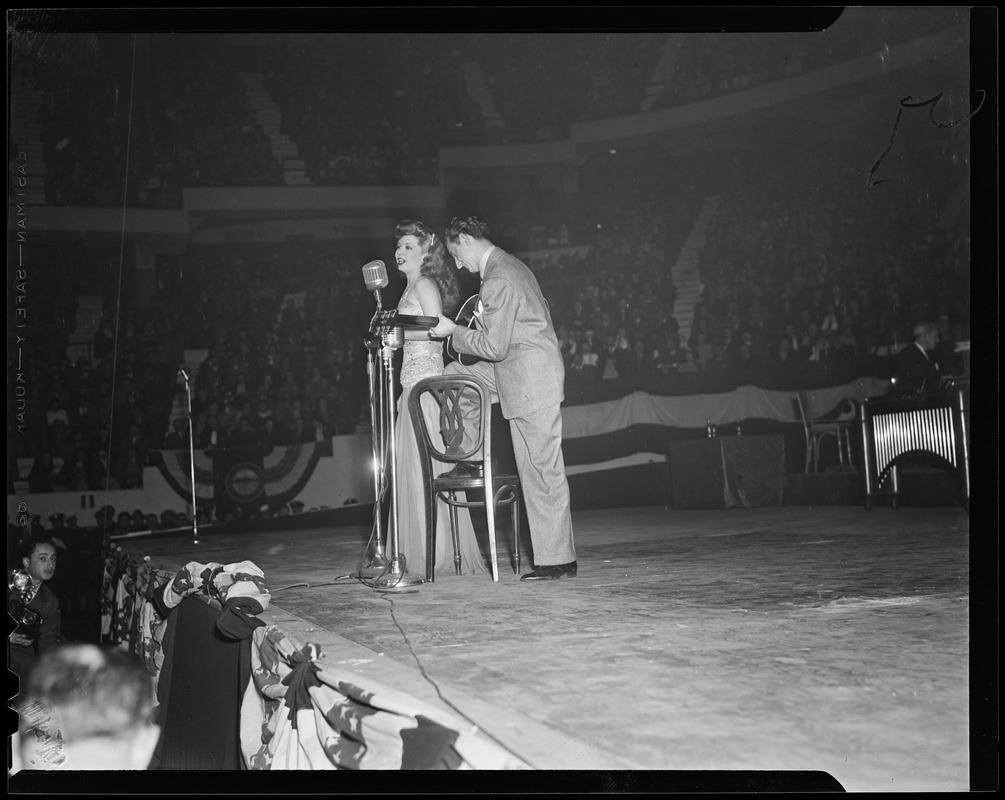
<point x="46" y="603"/>
<point x="913" y="370"/>
<point x="514" y="331"/>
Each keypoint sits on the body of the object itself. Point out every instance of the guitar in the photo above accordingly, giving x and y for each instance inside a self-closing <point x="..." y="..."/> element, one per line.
<point x="468" y="317"/>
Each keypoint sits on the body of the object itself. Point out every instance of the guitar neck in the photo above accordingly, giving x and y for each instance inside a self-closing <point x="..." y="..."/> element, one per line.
<point x="409" y="321"/>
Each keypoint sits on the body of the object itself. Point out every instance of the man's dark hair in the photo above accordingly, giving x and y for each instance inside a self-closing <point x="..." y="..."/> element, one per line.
<point x="29" y="543"/>
<point x="472" y="226"/>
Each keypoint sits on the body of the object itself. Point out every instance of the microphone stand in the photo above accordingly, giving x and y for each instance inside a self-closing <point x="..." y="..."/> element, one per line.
<point x="379" y="563"/>
<point x="396" y="579"/>
<point x="191" y="453"/>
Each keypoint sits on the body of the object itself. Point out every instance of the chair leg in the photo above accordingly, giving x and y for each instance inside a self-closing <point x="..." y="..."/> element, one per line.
<point x="847" y="444"/>
<point x="430" y="537"/>
<point x="490" y="514"/>
<point x="809" y="453"/>
<point x="454" y="536"/>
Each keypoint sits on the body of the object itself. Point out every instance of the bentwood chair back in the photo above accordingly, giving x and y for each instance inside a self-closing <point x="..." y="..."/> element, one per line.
<point x="817" y="430"/>
<point x="461" y="402"/>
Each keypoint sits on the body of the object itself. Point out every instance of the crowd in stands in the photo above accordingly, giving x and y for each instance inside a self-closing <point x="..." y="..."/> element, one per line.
<point x="283" y="328"/>
<point x="116" y="129"/>
<point x="708" y="65"/>
<point x="791" y="273"/>
<point x="374" y="109"/>
<point x="385" y="105"/>
<point x="282" y="365"/>
<point x="801" y="263"/>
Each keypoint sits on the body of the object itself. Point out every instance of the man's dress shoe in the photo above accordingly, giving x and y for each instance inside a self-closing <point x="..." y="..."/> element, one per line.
<point x="554" y="572"/>
<point x="465" y="469"/>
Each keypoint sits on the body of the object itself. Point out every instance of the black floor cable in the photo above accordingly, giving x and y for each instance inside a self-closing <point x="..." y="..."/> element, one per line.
<point x="436" y="687"/>
<point x="343" y="580"/>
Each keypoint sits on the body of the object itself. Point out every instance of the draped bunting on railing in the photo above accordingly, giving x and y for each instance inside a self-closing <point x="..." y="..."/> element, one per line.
<point x="299" y="713"/>
<point x="787" y="378"/>
<point x="295" y="711"/>
<point x="250" y="475"/>
<point x="692" y="411"/>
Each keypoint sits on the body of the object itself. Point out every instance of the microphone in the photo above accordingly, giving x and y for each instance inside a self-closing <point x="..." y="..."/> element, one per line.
<point x="375" y="275"/>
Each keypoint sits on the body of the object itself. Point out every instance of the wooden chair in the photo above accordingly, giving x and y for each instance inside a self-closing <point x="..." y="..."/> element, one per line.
<point x="442" y="450"/>
<point x="817" y="429"/>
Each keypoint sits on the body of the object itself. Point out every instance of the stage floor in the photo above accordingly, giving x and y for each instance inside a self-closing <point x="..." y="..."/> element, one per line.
<point x="828" y="639"/>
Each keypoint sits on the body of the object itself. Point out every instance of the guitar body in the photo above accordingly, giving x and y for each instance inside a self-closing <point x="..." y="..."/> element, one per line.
<point x="466" y="317"/>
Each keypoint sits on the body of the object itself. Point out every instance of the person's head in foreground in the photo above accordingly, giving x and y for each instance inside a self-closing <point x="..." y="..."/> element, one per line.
<point x="86" y="707"/>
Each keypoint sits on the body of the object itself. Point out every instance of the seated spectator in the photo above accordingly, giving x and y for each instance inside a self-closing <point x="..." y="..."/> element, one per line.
<point x="316" y="386"/>
<point x="76" y="472"/>
<point x="124" y="523"/>
<point x="210" y="435"/>
<point x="56" y="417"/>
<point x="702" y="350"/>
<point x="950" y="362"/>
<point x="177" y="439"/>
<point x="323" y="419"/>
<point x="244" y="435"/>
<point x="43" y="470"/>
<point x="139" y="441"/>
<point x="264" y="411"/>
<point x="102" y="474"/>
<point x="104" y="341"/>
<point x="820" y="350"/>
<point x="690" y="364"/>
<point x="915" y="368"/>
<point x="269" y="435"/>
<point x="782" y="352"/>
<point x="130" y="470"/>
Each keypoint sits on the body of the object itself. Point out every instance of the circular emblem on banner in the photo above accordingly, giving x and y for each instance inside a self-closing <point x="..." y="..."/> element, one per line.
<point x="245" y="482"/>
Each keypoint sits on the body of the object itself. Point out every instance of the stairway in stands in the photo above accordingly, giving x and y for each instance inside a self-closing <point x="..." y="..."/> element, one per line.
<point x="686" y="272"/>
<point x="270" y="117"/>
<point x="662" y="73"/>
<point x="478" y="90"/>
<point x="26" y="136"/>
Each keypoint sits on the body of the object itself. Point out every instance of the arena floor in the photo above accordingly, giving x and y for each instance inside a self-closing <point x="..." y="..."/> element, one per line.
<point x="830" y="641"/>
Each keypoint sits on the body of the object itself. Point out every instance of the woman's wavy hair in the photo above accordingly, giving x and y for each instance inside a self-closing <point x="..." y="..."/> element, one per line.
<point x="434" y="263"/>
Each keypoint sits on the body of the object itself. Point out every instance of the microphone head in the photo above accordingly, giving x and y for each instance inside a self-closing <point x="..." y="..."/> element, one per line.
<point x="375" y="275"/>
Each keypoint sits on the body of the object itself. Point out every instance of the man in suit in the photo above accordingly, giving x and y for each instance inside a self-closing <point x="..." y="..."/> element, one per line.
<point x="915" y="368"/>
<point x="38" y="559"/>
<point x="522" y="366"/>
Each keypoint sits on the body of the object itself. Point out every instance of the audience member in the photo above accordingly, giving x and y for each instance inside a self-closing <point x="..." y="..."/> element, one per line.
<point x="44" y="631"/>
<point x="86" y="707"/>
<point x="916" y="368"/>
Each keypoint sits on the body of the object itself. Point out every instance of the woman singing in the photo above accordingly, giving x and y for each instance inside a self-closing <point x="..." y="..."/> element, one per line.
<point x="432" y="289"/>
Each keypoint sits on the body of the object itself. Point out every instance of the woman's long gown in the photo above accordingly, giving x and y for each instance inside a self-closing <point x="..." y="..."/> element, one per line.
<point x="422" y="359"/>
